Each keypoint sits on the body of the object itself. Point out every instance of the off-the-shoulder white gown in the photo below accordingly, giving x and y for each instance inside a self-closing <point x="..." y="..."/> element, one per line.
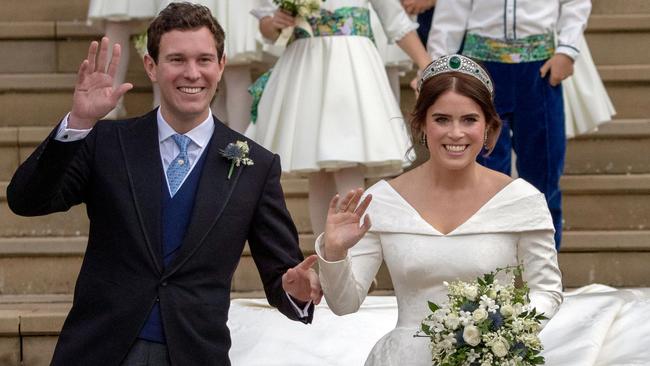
<point x="593" y="326"/>
<point x="513" y="227"/>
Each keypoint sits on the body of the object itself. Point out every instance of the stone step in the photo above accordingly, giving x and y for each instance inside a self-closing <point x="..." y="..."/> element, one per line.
<point x="627" y="85"/>
<point x="29" y="328"/>
<point x="614" y="202"/>
<point x="620" y="6"/>
<point x="40" y="10"/>
<point x="619" y="39"/>
<point x="49" y="266"/>
<point x="606" y="202"/>
<point x="617" y="147"/>
<point x="75" y="222"/>
<point x="43" y="10"/>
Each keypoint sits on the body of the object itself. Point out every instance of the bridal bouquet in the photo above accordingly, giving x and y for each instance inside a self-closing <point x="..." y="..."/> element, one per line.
<point x="485" y="323"/>
<point x="301" y="9"/>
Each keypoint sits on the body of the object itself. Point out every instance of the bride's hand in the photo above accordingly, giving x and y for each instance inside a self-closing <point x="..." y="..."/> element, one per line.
<point x="343" y="229"/>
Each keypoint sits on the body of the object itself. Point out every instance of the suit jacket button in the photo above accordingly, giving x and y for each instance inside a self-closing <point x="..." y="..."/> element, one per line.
<point x="157" y="299"/>
<point x="164" y="284"/>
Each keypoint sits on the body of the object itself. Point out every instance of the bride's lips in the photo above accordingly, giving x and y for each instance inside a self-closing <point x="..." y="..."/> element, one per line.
<point x="455" y="148"/>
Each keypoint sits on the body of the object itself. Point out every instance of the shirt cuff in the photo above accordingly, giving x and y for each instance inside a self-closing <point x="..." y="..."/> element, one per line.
<point x="302" y="313"/>
<point x="568" y="50"/>
<point x="65" y="134"/>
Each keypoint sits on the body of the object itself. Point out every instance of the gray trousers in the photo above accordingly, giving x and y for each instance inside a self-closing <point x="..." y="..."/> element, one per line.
<point x="145" y="353"/>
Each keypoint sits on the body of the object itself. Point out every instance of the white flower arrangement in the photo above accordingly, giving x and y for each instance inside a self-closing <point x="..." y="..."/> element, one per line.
<point x="237" y="153"/>
<point x="485" y="323"/>
<point x="301" y="10"/>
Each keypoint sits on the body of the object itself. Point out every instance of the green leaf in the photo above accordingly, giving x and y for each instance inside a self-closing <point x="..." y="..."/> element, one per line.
<point x="432" y="306"/>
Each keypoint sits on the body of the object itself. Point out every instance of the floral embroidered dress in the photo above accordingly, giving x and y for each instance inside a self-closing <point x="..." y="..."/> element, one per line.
<point x="327" y="103"/>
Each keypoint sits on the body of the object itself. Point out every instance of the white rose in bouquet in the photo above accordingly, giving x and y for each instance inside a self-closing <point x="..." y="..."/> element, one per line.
<point x="472" y="335"/>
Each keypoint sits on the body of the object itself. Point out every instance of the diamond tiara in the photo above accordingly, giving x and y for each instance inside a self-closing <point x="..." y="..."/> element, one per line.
<point x="456" y="63"/>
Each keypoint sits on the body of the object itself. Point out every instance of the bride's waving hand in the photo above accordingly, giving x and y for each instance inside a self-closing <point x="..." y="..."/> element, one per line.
<point x="344" y="226"/>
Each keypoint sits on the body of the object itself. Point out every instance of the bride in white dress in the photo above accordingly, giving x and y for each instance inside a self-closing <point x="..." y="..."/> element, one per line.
<point x="449" y="219"/>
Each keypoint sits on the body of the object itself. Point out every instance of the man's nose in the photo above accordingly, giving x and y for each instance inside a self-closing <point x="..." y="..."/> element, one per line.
<point x="192" y="71"/>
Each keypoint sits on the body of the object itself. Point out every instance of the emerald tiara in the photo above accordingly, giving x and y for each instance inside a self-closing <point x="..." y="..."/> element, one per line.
<point x="456" y="63"/>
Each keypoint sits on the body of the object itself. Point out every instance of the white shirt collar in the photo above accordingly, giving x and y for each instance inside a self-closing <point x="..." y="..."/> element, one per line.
<point x="200" y="135"/>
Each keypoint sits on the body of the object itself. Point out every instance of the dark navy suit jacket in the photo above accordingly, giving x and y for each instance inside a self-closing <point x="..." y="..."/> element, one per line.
<point x="115" y="171"/>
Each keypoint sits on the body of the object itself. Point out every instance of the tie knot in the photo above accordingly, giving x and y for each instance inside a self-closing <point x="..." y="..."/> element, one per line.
<point x="182" y="141"/>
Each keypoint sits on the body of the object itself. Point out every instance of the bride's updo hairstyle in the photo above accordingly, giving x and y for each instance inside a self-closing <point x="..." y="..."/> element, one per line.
<point x="466" y="84"/>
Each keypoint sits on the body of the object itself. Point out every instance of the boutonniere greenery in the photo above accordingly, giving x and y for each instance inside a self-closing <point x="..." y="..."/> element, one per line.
<point x="237" y="153"/>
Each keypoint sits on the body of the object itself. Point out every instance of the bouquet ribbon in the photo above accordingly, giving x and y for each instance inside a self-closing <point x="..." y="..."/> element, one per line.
<point x="286" y="33"/>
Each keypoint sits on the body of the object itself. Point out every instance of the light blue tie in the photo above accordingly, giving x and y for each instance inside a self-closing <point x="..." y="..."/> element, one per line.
<point x="179" y="167"/>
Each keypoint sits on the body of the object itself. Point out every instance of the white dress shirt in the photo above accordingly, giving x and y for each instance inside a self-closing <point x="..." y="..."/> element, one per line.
<point x="508" y="20"/>
<point x="199" y="136"/>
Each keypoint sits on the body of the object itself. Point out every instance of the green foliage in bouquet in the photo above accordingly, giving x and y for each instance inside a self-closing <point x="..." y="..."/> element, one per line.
<point x="485" y="323"/>
<point x="304" y="8"/>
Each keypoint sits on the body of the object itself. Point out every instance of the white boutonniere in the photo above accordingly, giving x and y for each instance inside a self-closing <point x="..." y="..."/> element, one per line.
<point x="237" y="153"/>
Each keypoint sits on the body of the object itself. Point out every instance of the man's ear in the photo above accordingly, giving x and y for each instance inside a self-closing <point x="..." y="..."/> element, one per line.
<point x="222" y="62"/>
<point x="150" y="67"/>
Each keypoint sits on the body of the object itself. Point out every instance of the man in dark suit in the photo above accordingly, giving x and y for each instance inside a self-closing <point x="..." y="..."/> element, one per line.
<point x="172" y="197"/>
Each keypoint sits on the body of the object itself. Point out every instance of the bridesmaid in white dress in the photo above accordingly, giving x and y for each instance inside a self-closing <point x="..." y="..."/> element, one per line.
<point x="397" y="62"/>
<point x="327" y="108"/>
<point x="448" y="219"/>
<point x="119" y="19"/>
<point x="232" y="103"/>
<point x="586" y="103"/>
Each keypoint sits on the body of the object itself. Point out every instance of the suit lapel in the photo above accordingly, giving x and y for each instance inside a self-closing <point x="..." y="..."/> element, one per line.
<point x="213" y="193"/>
<point x="141" y="151"/>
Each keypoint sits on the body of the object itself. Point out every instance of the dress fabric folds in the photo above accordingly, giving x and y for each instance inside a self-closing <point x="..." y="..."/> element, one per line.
<point x="328" y="103"/>
<point x="241" y="28"/>
<point x="513" y="227"/>
<point x="586" y="103"/>
<point x="591" y="326"/>
<point x="122" y="10"/>
<point x="596" y="325"/>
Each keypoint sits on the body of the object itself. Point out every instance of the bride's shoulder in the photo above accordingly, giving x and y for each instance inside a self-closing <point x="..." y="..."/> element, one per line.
<point x="516" y="186"/>
<point x="401" y="182"/>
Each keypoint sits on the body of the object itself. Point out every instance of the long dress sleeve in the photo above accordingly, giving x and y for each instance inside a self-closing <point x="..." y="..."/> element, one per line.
<point x="393" y="18"/>
<point x="448" y="27"/>
<point x="536" y="250"/>
<point x="346" y="282"/>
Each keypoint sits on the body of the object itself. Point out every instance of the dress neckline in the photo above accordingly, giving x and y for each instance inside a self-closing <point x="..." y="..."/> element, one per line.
<point x="419" y="216"/>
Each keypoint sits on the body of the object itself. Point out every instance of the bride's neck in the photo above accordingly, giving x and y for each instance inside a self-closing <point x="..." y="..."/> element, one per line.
<point x="452" y="180"/>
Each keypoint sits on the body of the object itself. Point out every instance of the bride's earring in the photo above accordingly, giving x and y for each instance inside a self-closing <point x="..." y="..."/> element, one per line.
<point x="423" y="139"/>
<point x="485" y="144"/>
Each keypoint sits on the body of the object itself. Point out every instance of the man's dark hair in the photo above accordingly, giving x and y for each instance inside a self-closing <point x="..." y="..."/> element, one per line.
<point x="183" y="16"/>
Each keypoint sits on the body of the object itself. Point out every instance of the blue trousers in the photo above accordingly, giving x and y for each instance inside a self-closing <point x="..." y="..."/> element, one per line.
<point x="533" y="125"/>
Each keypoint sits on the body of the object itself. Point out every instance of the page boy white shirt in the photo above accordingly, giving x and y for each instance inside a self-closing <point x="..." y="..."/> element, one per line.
<point x="507" y="20"/>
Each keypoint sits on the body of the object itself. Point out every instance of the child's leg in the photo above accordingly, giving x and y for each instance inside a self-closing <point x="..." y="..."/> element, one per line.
<point x="393" y="79"/>
<point x="321" y="190"/>
<point x="119" y="32"/>
<point x="219" y="106"/>
<point x="238" y="79"/>
<point x="349" y="179"/>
